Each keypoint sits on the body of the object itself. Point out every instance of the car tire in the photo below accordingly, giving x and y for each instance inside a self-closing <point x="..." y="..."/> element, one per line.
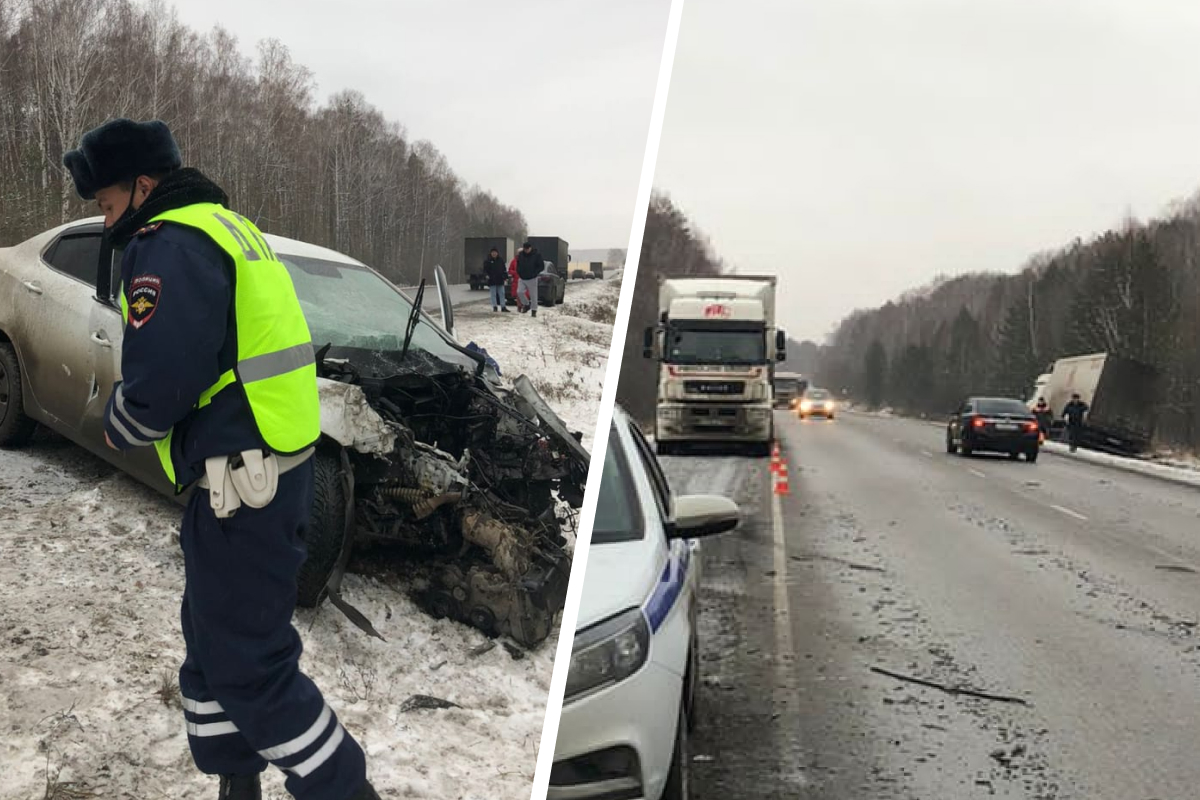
<point x="16" y="428"/>
<point x="1031" y="456"/>
<point x="326" y="527"/>
<point x="951" y="447"/>
<point x="692" y="683"/>
<point x="1014" y="455"/>
<point x="965" y="450"/>
<point x="676" y="787"/>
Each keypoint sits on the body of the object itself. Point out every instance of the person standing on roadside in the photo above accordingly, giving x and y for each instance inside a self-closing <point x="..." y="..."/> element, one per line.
<point x="529" y="266"/>
<point x="1075" y="413"/>
<point x="514" y="284"/>
<point x="496" y="273"/>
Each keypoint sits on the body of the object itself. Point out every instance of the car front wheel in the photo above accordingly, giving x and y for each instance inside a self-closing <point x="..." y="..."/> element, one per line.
<point x="326" y="529"/>
<point x="16" y="428"/>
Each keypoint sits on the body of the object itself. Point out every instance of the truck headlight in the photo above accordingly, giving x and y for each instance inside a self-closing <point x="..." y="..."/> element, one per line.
<point x="608" y="653"/>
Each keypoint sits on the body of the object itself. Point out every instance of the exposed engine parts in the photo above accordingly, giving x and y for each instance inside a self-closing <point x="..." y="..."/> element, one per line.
<point x="467" y="477"/>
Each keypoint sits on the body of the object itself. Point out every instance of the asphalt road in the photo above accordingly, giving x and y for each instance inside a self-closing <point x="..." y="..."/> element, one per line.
<point x="1069" y="586"/>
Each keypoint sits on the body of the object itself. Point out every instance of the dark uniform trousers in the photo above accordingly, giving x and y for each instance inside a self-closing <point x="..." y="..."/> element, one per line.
<point x="246" y="702"/>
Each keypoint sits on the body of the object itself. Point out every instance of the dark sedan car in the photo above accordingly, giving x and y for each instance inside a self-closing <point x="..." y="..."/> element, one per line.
<point x="993" y="424"/>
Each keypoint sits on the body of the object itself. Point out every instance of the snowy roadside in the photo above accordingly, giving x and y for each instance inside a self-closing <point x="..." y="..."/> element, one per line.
<point x="90" y="578"/>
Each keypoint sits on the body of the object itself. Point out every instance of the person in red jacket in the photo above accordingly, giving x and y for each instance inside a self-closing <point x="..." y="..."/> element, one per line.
<point x="514" y="281"/>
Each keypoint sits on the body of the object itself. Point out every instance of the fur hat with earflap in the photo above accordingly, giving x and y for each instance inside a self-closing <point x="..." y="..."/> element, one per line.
<point x="119" y="151"/>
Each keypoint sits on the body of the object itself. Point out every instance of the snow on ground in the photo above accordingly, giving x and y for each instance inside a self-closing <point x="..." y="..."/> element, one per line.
<point x="90" y="579"/>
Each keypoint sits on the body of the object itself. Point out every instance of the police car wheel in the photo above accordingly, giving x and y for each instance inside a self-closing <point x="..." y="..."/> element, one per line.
<point x="677" y="778"/>
<point x="326" y="527"/>
<point x="16" y="428"/>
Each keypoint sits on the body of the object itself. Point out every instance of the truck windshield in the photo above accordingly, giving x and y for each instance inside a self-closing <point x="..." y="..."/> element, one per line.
<point x="715" y="346"/>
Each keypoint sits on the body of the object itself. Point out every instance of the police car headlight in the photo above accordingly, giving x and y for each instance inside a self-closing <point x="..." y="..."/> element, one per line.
<point x="608" y="653"/>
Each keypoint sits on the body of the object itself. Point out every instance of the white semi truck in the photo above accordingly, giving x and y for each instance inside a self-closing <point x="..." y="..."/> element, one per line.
<point x="717" y="345"/>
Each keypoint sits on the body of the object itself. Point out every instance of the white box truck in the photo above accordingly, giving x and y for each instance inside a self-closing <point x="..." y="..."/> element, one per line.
<point x="1120" y="392"/>
<point x="717" y="345"/>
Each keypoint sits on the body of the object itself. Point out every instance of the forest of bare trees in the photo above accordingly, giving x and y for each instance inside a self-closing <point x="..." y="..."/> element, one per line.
<point x="337" y="174"/>
<point x="1134" y="291"/>
<point x="671" y="247"/>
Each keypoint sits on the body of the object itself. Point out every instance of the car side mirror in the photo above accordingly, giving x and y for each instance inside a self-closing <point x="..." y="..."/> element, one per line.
<point x="703" y="515"/>
<point x="648" y="343"/>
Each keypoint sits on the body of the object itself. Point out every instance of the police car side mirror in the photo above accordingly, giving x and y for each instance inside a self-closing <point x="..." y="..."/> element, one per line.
<point x="703" y="515"/>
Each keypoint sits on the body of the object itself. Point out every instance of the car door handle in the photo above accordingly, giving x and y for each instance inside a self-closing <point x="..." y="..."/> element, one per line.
<point x="31" y="286"/>
<point x="101" y="340"/>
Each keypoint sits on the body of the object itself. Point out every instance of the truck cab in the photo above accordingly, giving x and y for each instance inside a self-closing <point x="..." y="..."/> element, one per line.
<point x="717" y="345"/>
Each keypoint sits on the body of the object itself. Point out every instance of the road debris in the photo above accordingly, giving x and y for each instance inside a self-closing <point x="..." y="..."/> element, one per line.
<point x="956" y="690"/>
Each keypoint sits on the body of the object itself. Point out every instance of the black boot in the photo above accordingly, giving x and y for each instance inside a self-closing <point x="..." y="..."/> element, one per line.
<point x="533" y="313"/>
<point x="240" y="787"/>
<point x="504" y="309"/>
<point x="367" y="792"/>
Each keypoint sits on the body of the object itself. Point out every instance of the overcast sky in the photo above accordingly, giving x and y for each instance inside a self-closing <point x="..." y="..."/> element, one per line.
<point x="860" y="147"/>
<point x="546" y="103"/>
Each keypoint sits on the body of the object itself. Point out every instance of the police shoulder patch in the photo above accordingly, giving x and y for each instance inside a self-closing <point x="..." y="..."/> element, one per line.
<point x="145" y="292"/>
<point x="151" y="228"/>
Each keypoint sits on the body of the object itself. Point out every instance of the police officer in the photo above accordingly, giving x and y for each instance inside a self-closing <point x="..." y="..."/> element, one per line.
<point x="219" y="377"/>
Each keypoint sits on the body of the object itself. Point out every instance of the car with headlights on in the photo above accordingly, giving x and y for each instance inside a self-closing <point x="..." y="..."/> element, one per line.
<point x="631" y="686"/>
<point x="816" y="403"/>
<point x="994" y="424"/>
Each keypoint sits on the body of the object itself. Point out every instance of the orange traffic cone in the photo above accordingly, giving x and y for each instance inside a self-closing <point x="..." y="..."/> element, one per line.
<point x="781" y="480"/>
<point x="776" y="459"/>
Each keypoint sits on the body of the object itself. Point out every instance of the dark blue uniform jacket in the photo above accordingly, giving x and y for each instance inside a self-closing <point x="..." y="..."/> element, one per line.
<point x="179" y="339"/>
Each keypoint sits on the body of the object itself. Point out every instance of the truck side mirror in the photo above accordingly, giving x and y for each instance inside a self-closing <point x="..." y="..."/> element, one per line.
<point x="780" y="346"/>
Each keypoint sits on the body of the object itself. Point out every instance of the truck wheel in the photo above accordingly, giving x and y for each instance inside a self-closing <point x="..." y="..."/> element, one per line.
<point x="677" y="778"/>
<point x="326" y="527"/>
<point x="16" y="428"/>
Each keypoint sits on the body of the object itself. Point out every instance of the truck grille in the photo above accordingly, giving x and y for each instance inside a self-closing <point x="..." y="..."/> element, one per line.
<point x="714" y="387"/>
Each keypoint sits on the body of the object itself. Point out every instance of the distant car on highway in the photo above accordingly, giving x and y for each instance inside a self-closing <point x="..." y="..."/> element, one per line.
<point x="816" y="403"/>
<point x="631" y="687"/>
<point x="993" y="424"/>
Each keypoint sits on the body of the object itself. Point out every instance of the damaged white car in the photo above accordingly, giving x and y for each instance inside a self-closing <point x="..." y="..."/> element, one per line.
<point x="423" y="446"/>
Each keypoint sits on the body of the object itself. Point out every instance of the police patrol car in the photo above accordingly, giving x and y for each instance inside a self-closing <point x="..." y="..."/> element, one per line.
<point x="632" y="682"/>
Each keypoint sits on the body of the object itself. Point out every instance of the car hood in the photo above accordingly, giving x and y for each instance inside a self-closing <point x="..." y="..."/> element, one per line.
<point x="620" y="575"/>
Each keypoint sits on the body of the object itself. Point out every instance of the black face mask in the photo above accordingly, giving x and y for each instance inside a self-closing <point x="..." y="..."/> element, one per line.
<point x="125" y="215"/>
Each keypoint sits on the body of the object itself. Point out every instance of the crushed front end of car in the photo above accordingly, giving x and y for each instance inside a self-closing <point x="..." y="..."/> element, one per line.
<point x="466" y="476"/>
